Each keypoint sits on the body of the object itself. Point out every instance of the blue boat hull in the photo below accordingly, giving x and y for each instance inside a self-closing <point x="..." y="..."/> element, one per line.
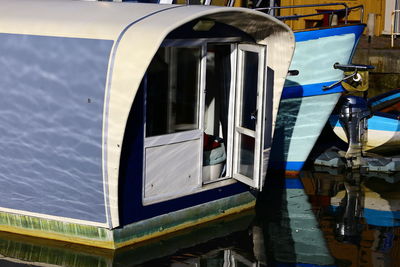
<point x="305" y="107"/>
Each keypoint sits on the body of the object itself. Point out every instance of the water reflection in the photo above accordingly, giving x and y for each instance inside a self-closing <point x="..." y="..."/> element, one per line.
<point x="325" y="217"/>
<point x="360" y="213"/>
<point x="291" y="230"/>
<point x="209" y="244"/>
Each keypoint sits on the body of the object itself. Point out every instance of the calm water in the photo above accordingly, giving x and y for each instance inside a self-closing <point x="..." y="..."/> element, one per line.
<point x="325" y="217"/>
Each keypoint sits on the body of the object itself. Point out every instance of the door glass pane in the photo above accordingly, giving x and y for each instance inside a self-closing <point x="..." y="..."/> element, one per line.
<point x="172" y="100"/>
<point x="216" y="110"/>
<point x="246" y="155"/>
<point x="249" y="90"/>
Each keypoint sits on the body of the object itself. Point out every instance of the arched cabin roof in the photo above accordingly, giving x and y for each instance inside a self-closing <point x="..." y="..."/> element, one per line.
<point x="137" y="30"/>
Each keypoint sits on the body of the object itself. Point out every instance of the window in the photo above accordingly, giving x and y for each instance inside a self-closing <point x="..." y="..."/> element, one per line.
<point x="173" y="91"/>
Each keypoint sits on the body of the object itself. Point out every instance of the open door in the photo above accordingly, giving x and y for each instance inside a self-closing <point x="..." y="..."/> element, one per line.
<point x="181" y="111"/>
<point x="249" y="115"/>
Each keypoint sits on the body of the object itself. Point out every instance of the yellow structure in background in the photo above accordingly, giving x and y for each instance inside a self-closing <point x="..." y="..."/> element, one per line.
<point x="376" y="7"/>
<point x="374" y="11"/>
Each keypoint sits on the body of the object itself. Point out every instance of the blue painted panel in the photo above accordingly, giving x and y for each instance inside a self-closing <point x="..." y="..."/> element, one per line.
<point x="51" y="108"/>
<point x="320" y="33"/>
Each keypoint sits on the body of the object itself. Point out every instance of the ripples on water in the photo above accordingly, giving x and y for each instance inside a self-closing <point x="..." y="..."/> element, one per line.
<point x="322" y="218"/>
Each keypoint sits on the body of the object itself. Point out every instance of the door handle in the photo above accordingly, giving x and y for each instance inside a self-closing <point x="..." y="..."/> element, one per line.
<point x="253" y="115"/>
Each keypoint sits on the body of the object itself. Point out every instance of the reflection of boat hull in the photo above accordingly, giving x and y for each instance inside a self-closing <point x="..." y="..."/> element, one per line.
<point x="380" y="202"/>
<point x="366" y="209"/>
<point x="383" y="132"/>
<point x="290" y="225"/>
<point x="305" y="106"/>
<point x="218" y="234"/>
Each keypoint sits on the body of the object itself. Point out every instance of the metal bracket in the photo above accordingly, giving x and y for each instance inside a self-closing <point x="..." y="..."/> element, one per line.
<point x="348" y="67"/>
<point x="325" y="88"/>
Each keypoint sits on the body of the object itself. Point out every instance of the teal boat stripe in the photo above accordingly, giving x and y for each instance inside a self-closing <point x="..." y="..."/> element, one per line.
<point x="310" y="90"/>
<point x="383" y="124"/>
<point x="377" y="123"/>
<point x="377" y="102"/>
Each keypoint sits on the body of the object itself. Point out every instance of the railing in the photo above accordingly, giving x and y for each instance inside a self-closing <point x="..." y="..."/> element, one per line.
<point x="394" y="28"/>
<point x="342" y="13"/>
<point x="345" y="9"/>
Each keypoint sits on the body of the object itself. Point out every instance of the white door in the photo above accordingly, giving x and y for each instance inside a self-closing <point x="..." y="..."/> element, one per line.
<point x="249" y="115"/>
<point x="173" y="135"/>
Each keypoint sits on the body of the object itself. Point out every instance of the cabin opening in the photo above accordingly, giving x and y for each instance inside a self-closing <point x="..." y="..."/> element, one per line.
<point x="204" y="95"/>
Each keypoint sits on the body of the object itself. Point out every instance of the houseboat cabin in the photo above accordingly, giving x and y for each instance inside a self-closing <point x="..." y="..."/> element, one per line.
<point x="121" y="122"/>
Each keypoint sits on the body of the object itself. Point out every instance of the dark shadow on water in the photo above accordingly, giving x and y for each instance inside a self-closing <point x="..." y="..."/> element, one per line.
<point x="271" y="210"/>
<point x="284" y="127"/>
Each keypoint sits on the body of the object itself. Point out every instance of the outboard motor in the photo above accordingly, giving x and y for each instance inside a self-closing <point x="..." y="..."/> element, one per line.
<point x="354" y="110"/>
<point x="353" y="116"/>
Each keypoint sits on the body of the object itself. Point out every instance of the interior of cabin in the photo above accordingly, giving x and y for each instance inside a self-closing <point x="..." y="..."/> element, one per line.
<point x="173" y="100"/>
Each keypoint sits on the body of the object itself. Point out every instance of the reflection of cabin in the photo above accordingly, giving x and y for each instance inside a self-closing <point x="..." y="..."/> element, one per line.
<point x="121" y="121"/>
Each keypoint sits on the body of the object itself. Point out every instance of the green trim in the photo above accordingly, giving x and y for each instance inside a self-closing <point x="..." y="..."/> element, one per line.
<point x="192" y="215"/>
<point x="133" y="233"/>
<point x="51" y="226"/>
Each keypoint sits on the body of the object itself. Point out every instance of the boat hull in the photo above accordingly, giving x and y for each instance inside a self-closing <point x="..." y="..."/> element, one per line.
<point x="298" y="128"/>
<point x="305" y="106"/>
